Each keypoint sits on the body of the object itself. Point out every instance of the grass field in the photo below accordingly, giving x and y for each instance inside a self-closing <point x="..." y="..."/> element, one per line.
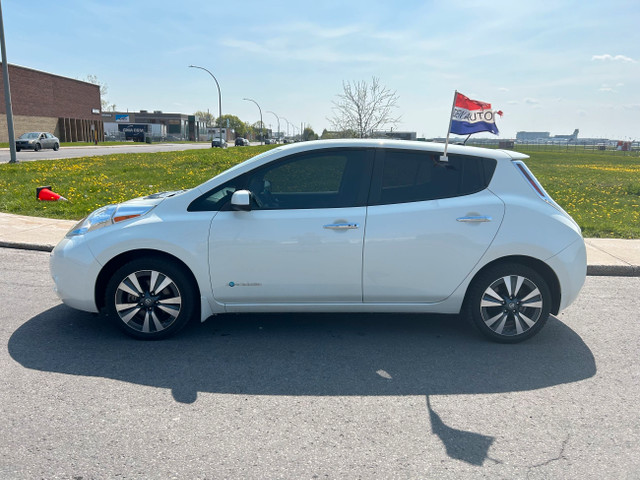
<point x="601" y="191"/>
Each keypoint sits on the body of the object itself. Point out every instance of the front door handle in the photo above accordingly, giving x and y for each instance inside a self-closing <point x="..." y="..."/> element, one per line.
<point x="474" y="219"/>
<point x="341" y="226"/>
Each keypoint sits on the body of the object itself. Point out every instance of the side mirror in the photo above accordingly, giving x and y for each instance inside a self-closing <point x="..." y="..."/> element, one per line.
<point x="241" y="200"/>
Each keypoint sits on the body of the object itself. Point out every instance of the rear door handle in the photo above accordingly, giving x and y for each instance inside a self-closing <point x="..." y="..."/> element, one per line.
<point x="341" y="226"/>
<point x="474" y="219"/>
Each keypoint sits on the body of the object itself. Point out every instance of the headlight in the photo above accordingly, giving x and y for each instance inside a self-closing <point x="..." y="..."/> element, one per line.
<point x="108" y="215"/>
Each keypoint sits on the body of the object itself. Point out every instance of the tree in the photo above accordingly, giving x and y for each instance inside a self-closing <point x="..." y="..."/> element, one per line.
<point x="104" y="103"/>
<point x="363" y="108"/>
<point x="206" y="116"/>
<point x="309" y="134"/>
<point x="235" y="123"/>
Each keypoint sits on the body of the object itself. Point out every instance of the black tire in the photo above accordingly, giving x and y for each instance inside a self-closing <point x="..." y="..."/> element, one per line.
<point x="18" y="149"/>
<point x="56" y="147"/>
<point x="144" y="312"/>
<point x="509" y="303"/>
<point x="37" y="147"/>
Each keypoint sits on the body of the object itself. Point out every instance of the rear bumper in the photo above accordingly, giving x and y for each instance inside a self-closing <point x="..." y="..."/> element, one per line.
<point x="570" y="266"/>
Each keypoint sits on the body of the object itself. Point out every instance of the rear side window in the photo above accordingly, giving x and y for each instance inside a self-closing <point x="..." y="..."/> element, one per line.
<point x="409" y="176"/>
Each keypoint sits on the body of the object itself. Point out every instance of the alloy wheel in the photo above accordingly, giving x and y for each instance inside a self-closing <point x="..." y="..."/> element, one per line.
<point x="511" y="305"/>
<point x="148" y="301"/>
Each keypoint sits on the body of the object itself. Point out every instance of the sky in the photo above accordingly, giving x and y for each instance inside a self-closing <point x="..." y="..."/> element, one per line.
<point x="550" y="66"/>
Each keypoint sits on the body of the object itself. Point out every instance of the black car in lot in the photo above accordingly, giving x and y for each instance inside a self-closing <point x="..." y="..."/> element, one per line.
<point x="241" y="142"/>
<point x="218" y="142"/>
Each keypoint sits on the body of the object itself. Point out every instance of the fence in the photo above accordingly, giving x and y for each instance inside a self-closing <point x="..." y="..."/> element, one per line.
<point x="595" y="146"/>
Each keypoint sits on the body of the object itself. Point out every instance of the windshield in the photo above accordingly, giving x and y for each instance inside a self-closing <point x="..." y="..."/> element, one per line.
<point x="30" y="135"/>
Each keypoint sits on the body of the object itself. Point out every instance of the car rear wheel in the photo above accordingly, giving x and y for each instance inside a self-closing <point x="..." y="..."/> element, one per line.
<point x="56" y="147"/>
<point x="18" y="149"/>
<point x="150" y="298"/>
<point x="509" y="303"/>
<point x="37" y="147"/>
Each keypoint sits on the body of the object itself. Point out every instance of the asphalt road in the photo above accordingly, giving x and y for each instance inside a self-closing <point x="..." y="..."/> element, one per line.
<point x="316" y="396"/>
<point x="76" y="152"/>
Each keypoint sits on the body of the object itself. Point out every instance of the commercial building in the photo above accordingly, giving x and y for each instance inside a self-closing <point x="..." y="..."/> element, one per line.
<point x="172" y="126"/>
<point x="44" y="102"/>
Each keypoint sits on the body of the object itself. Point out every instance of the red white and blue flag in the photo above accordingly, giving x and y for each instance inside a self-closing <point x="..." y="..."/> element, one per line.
<point x="472" y="116"/>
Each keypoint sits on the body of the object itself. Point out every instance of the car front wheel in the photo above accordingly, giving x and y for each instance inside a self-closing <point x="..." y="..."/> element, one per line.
<point x="37" y="147"/>
<point x="56" y="146"/>
<point x="509" y="303"/>
<point x="150" y="298"/>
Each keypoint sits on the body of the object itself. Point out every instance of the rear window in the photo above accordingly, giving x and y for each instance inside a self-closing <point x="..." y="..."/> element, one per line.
<point x="409" y="176"/>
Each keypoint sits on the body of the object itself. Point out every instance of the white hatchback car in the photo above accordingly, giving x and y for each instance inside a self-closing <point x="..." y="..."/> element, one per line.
<point x="328" y="226"/>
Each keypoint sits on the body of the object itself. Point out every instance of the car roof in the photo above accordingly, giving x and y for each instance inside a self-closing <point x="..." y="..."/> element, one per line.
<point x="435" y="147"/>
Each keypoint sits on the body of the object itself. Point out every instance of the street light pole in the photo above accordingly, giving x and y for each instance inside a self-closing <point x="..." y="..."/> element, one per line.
<point x="7" y="95"/>
<point x="219" y="98"/>
<point x="287" y="125"/>
<point x="261" y="123"/>
<point x="278" y="120"/>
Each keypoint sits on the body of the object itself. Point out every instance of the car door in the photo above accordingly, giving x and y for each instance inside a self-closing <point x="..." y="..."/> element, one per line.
<point x="428" y="225"/>
<point x="302" y="240"/>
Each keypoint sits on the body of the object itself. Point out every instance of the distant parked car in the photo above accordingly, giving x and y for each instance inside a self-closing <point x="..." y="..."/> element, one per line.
<point x="36" y="141"/>
<point x="242" y="142"/>
<point x="218" y="142"/>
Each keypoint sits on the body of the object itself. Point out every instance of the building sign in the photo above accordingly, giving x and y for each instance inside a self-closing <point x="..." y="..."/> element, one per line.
<point x="122" y="118"/>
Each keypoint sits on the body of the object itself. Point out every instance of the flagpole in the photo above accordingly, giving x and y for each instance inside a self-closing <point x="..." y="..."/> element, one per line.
<point x="443" y="158"/>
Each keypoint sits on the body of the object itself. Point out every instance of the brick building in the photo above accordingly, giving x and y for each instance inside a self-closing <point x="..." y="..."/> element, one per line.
<point x="68" y="108"/>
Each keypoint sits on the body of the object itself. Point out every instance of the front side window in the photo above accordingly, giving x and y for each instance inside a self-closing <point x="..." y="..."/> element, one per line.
<point x="409" y="176"/>
<point x="331" y="178"/>
<point x="321" y="179"/>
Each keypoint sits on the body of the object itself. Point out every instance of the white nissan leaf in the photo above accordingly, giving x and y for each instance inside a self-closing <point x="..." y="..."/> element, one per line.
<point x="333" y="226"/>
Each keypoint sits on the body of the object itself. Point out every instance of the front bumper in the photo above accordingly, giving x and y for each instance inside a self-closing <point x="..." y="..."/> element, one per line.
<point x="74" y="270"/>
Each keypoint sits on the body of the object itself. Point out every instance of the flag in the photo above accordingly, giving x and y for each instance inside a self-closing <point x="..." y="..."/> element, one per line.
<point x="472" y="116"/>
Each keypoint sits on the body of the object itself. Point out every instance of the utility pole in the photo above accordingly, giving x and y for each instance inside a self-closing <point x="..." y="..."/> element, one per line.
<point x="7" y="93"/>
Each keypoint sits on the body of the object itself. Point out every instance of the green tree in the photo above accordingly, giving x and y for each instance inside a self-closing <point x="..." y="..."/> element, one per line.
<point x="235" y="123"/>
<point x="309" y="134"/>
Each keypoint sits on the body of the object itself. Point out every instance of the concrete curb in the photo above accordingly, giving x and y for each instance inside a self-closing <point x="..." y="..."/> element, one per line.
<point x="613" y="271"/>
<point x="26" y="246"/>
<point x="592" y="270"/>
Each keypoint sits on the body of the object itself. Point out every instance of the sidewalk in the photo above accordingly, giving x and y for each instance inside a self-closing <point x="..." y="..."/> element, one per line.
<point x="605" y="256"/>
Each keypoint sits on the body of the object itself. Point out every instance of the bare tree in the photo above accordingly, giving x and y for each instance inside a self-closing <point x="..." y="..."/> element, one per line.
<point x="363" y="108"/>
<point x="103" y="91"/>
<point x="206" y="116"/>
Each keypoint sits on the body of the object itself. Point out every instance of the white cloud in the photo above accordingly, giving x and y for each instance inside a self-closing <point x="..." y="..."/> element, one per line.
<point x="613" y="58"/>
<point x="531" y="101"/>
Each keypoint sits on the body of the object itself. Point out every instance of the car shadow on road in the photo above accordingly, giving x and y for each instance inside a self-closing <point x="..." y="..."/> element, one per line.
<point x="311" y="354"/>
